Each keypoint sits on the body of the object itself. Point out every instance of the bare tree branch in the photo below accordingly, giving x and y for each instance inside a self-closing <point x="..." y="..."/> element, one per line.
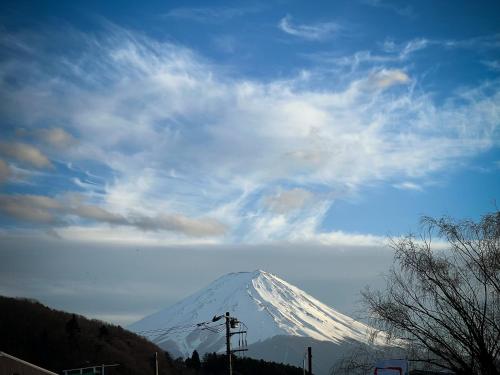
<point x="444" y="303"/>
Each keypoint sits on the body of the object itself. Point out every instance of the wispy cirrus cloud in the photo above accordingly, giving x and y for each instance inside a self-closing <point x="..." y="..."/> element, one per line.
<point x="212" y="14"/>
<point x="390" y="52"/>
<point x="248" y="160"/>
<point x="388" y="77"/>
<point x="482" y="42"/>
<point x="316" y="32"/>
<point x="404" y="50"/>
<point x="408" y="185"/>
<point x="492" y="64"/>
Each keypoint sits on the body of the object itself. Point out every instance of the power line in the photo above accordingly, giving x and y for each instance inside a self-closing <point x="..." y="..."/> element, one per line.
<point x="180" y="328"/>
<point x="230" y="322"/>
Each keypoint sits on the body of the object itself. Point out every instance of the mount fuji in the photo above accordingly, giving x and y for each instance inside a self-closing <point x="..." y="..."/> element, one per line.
<point x="281" y="321"/>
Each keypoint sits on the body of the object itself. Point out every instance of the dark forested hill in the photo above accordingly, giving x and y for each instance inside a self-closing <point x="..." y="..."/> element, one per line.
<point x="58" y="340"/>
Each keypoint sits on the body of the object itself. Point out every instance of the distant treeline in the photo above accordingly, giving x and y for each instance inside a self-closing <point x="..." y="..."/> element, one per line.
<point x="214" y="364"/>
<point x="58" y="340"/>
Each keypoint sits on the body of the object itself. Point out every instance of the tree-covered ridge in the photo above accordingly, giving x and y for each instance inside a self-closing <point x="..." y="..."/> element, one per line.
<point x="58" y="340"/>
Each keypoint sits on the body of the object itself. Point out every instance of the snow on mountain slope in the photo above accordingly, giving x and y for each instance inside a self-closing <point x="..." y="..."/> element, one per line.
<point x="268" y="305"/>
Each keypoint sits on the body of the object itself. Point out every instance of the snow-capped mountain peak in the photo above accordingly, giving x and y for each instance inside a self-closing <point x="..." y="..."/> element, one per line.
<point x="268" y="305"/>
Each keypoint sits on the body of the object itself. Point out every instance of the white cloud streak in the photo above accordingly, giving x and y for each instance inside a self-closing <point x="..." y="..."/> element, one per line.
<point x="211" y="14"/>
<point x="391" y="52"/>
<point x="408" y="185"/>
<point x="389" y="77"/>
<point x="317" y="31"/>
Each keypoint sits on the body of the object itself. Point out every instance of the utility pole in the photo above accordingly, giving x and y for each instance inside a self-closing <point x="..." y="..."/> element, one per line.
<point x="156" y="363"/>
<point x="309" y="360"/>
<point x="228" y="344"/>
<point x="231" y="322"/>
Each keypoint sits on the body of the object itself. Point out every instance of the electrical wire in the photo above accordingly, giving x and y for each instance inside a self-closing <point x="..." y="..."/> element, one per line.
<point x="178" y="329"/>
<point x="208" y="326"/>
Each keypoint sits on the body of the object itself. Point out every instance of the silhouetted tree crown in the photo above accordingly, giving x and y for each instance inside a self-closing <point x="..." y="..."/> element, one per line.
<point x="195" y="360"/>
<point x="442" y="298"/>
<point x="72" y="327"/>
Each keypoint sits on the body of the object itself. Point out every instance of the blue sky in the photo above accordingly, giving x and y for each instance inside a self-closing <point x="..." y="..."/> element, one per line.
<point x="245" y="123"/>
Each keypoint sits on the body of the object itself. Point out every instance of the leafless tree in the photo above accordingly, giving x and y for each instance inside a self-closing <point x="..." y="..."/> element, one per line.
<point x="442" y="296"/>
